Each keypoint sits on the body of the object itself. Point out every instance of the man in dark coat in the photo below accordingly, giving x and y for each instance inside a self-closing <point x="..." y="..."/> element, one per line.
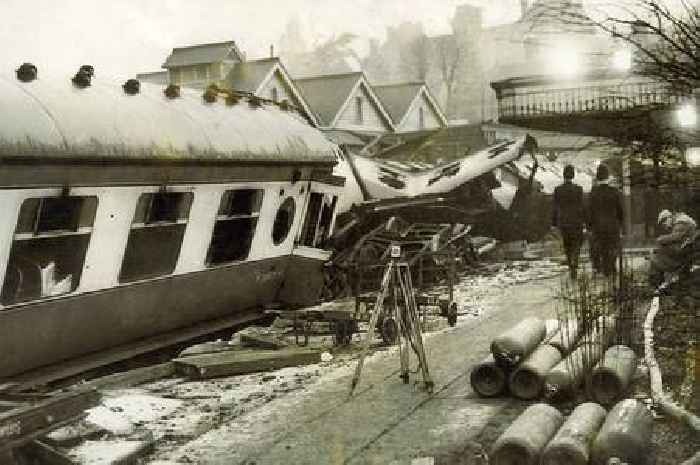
<point x="605" y="223"/>
<point x="568" y="214"/>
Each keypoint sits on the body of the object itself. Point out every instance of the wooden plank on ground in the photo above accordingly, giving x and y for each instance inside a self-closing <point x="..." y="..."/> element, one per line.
<point x="38" y="452"/>
<point x="261" y="338"/>
<point x="132" y="377"/>
<point x="242" y="362"/>
<point x="23" y="424"/>
<point x="79" y="365"/>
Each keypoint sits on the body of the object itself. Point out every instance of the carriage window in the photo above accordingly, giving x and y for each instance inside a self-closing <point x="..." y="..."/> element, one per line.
<point x="49" y="247"/>
<point x="235" y="226"/>
<point x="156" y="235"/>
<point x="283" y="221"/>
<point x="319" y="216"/>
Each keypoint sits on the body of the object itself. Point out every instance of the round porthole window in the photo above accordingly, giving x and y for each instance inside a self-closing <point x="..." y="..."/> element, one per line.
<point x="283" y="221"/>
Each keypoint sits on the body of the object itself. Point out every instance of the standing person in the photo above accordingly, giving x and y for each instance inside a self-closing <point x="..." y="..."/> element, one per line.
<point x="605" y="222"/>
<point x="650" y="211"/>
<point x="568" y="215"/>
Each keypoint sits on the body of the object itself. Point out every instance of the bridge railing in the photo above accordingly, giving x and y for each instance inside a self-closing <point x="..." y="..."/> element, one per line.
<point x="531" y="103"/>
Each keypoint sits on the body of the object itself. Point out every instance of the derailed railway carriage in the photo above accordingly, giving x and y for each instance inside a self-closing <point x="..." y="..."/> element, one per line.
<point x="127" y="216"/>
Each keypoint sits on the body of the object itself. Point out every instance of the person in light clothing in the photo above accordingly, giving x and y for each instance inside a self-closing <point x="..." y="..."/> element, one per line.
<point x="669" y="255"/>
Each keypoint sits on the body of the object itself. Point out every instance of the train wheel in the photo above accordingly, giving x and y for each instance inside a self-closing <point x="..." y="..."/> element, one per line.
<point x="335" y="283"/>
<point x="452" y="314"/>
<point x="390" y="331"/>
<point x="343" y="332"/>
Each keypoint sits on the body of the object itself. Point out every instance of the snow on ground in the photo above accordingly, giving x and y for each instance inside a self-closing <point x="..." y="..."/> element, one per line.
<point x="180" y="415"/>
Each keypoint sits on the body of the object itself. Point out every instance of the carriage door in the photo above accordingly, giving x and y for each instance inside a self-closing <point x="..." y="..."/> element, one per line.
<point x="319" y="218"/>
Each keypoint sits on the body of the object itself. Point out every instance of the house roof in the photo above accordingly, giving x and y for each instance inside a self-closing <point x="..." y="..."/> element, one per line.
<point x="248" y="76"/>
<point x="397" y="98"/>
<point x="328" y="95"/>
<point x="49" y="118"/>
<point x="201" y="53"/>
<point x="251" y="76"/>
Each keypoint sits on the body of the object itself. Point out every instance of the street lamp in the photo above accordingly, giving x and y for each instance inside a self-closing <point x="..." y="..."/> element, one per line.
<point x="687" y="116"/>
<point x="692" y="156"/>
<point x="564" y="60"/>
<point x="622" y="60"/>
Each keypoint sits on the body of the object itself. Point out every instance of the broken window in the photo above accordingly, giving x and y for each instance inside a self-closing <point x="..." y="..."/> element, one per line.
<point x="235" y="226"/>
<point x="283" y="221"/>
<point x="48" y="251"/>
<point x="319" y="217"/>
<point x="156" y="235"/>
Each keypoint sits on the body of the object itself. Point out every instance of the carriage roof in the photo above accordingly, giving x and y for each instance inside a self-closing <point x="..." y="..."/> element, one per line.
<point x="50" y="118"/>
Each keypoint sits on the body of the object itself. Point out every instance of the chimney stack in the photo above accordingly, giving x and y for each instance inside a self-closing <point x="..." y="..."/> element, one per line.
<point x="272" y="51"/>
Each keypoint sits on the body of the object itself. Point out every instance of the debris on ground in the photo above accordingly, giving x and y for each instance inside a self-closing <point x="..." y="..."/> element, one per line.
<point x="244" y="361"/>
<point x="675" y="331"/>
<point x="175" y="411"/>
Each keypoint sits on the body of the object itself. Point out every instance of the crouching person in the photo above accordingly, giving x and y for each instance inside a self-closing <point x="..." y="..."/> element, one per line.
<point x="669" y="255"/>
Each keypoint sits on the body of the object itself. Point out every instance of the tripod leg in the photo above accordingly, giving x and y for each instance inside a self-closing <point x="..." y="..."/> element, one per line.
<point x="381" y="295"/>
<point x="404" y="354"/>
<point x="415" y="329"/>
<point x="401" y="326"/>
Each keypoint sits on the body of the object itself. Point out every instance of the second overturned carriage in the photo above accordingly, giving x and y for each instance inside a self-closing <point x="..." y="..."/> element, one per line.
<point x="127" y="216"/>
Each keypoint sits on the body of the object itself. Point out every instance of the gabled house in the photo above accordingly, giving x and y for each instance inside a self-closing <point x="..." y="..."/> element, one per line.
<point x="411" y="107"/>
<point x="345" y="102"/>
<point x="266" y="78"/>
<point x="203" y="64"/>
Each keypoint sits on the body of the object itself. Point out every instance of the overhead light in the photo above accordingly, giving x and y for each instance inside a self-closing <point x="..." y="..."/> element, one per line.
<point x="692" y="156"/>
<point x="687" y="115"/>
<point x="564" y="60"/>
<point x="622" y="60"/>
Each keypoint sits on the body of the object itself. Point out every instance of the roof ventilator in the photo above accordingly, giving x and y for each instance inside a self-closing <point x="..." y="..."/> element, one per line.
<point x="88" y="69"/>
<point x="132" y="87"/>
<point x="172" y="91"/>
<point x="254" y="101"/>
<point x="27" y="72"/>
<point x="211" y="94"/>
<point x="83" y="77"/>
<point x="232" y="99"/>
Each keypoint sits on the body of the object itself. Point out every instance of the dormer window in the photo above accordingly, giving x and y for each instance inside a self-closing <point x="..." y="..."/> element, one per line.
<point x="274" y="95"/>
<point x="421" y="118"/>
<point x="358" y="110"/>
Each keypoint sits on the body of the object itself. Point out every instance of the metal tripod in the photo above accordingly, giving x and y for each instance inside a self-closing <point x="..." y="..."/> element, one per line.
<point x="397" y="281"/>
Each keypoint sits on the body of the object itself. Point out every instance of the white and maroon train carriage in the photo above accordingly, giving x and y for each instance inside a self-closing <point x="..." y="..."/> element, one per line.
<point x="127" y="215"/>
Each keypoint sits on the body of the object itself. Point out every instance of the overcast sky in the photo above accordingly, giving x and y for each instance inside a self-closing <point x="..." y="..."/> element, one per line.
<point x="123" y="37"/>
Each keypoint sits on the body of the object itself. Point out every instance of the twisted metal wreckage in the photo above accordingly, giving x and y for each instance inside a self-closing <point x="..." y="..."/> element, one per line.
<point x="130" y="214"/>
